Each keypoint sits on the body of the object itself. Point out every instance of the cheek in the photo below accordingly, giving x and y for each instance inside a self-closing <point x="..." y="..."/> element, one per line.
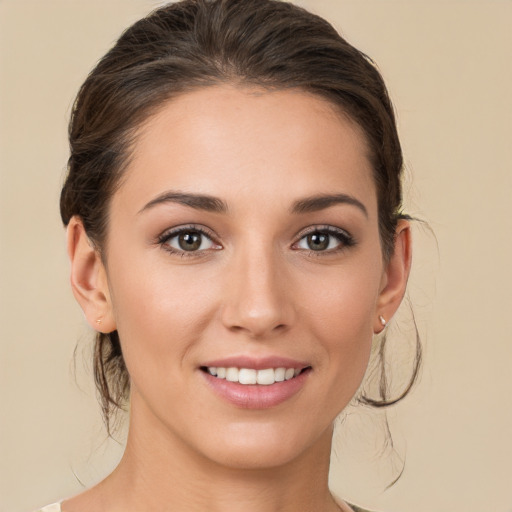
<point x="342" y="320"/>
<point x="345" y="303"/>
<point x="158" y="310"/>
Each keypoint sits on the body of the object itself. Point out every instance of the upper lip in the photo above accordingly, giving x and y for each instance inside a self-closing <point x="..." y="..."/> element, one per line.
<point x="256" y="363"/>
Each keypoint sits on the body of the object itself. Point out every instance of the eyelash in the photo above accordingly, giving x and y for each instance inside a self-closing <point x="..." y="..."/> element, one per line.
<point x="343" y="237"/>
<point x="165" y="237"/>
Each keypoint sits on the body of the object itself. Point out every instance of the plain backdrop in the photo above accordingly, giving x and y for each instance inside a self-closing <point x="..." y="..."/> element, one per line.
<point x="448" y="67"/>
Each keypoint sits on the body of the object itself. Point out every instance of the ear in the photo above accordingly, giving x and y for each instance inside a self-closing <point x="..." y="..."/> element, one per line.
<point x="395" y="276"/>
<point x="89" y="278"/>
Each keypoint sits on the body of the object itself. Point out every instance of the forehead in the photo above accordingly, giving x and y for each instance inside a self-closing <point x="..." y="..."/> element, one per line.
<point x="231" y="142"/>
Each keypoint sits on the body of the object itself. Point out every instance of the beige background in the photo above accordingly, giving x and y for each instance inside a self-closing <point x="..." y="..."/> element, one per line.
<point x="448" y="66"/>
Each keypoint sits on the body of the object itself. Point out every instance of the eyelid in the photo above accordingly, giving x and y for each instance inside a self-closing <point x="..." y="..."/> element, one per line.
<point x="344" y="237"/>
<point x="325" y="228"/>
<point x="170" y="233"/>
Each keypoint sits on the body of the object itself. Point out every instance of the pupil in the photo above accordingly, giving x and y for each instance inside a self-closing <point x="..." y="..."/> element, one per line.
<point x="189" y="241"/>
<point x="318" y="241"/>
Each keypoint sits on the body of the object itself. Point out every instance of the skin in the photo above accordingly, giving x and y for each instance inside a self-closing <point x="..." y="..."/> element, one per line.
<point x="255" y="287"/>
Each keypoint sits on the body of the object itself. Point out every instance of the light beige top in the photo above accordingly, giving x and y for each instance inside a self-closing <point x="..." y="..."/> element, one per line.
<point x="55" y="507"/>
<point x="51" y="508"/>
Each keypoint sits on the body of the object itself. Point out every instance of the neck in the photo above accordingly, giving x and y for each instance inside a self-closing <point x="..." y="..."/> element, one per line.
<point x="159" y="472"/>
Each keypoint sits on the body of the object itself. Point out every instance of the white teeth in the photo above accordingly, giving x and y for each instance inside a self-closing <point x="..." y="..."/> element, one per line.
<point x="279" y="374"/>
<point x="249" y="376"/>
<point x="289" y="373"/>
<point x="232" y="374"/>
<point x="266" y="377"/>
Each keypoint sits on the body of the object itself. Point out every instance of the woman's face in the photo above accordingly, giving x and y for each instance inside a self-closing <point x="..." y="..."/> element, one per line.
<point x="244" y="236"/>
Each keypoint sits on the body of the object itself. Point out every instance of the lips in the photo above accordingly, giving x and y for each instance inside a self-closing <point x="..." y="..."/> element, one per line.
<point x="256" y="383"/>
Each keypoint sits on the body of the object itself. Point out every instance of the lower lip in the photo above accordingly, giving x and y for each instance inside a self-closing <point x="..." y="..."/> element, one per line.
<point x="254" y="396"/>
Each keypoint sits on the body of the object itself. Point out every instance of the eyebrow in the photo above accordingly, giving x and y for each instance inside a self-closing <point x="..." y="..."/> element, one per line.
<point x="214" y="204"/>
<point x="323" y="201"/>
<point x="196" y="201"/>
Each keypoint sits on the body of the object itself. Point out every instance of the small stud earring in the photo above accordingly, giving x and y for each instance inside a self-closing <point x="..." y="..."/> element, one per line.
<point x="98" y="321"/>
<point x="382" y="321"/>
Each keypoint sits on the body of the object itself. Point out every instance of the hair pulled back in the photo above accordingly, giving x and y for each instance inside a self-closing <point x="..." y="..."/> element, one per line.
<point x="198" y="43"/>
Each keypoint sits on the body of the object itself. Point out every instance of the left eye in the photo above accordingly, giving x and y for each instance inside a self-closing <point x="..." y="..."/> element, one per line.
<point x="190" y="241"/>
<point x="320" y="241"/>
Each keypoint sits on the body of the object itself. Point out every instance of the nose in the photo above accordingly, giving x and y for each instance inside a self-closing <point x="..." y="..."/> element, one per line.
<point x="257" y="295"/>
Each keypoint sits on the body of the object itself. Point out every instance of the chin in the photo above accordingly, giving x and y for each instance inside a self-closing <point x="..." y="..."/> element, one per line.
<point x="264" y="446"/>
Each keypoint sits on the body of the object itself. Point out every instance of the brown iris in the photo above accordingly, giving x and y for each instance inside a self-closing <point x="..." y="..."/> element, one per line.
<point x="189" y="241"/>
<point x="318" y="241"/>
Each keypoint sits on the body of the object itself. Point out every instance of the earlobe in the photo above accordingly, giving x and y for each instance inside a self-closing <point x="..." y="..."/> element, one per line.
<point x="395" y="276"/>
<point x="88" y="278"/>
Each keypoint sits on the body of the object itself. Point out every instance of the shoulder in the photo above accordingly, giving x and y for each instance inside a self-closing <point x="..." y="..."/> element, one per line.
<point x="55" y="507"/>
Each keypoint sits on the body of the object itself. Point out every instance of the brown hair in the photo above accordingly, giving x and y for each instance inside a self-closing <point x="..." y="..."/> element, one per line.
<point x="198" y="43"/>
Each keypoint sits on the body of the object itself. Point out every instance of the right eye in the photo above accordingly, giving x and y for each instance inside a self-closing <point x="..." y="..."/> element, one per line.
<point x="187" y="240"/>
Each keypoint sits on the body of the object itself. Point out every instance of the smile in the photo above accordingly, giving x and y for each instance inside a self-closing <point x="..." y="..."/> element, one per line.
<point x="251" y="384"/>
<point x="250" y="376"/>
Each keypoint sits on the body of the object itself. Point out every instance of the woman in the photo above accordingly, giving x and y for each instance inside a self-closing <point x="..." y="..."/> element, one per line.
<point x="236" y="239"/>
